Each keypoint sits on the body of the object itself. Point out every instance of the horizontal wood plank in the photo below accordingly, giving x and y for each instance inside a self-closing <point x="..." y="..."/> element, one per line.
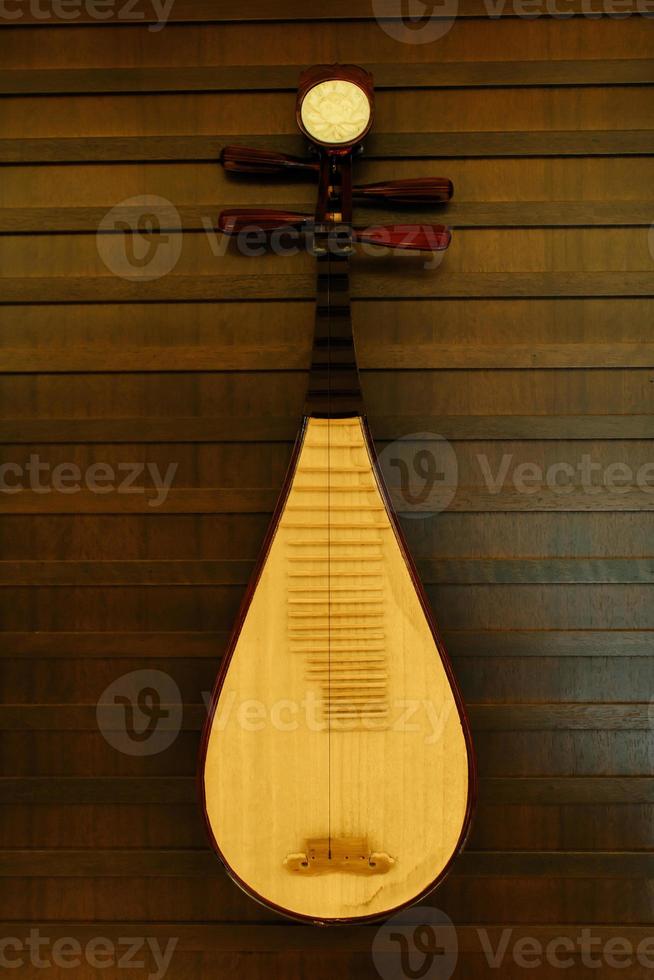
<point x="214" y="608"/>
<point x="234" y="78"/>
<point x="455" y="571"/>
<point x="209" y="645"/>
<point x="183" y="790"/>
<point x="237" y="429"/>
<point x="224" y="11"/>
<point x="544" y="325"/>
<point x="484" y="717"/>
<point x="465" y="500"/>
<point x="97" y="358"/>
<point x="182" y="864"/>
<point x="459" y="214"/>
<point x="497" y="827"/>
<point x="215" y="938"/>
<point x="381" y="146"/>
<point x="109" y="289"/>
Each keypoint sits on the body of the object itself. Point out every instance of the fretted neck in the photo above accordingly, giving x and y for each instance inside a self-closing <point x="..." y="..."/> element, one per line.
<point x="334" y="388"/>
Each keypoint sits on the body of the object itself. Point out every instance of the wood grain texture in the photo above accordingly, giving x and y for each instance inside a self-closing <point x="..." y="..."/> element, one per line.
<point x="166" y="790"/>
<point x="192" y="864"/>
<point x="123" y="149"/>
<point x="98" y="358"/>
<point x="458" y="215"/>
<point x="234" y="572"/>
<point x="300" y="42"/>
<point x="542" y="351"/>
<point x="206" y="288"/>
<point x="500" y="717"/>
<point x="280" y="429"/>
<point x="284" y="77"/>
<point x="205" y="11"/>
<point x="206" y="645"/>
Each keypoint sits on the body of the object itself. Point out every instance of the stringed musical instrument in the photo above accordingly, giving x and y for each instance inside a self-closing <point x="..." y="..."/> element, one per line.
<point x="337" y="774"/>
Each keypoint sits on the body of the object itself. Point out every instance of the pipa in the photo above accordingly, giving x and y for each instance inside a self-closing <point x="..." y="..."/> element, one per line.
<point x="337" y="772"/>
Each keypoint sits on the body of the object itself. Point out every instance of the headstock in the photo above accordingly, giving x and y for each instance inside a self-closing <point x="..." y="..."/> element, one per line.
<point x="335" y="111"/>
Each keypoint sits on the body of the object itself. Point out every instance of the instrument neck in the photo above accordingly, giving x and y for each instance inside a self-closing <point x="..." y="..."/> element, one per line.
<point x="334" y="387"/>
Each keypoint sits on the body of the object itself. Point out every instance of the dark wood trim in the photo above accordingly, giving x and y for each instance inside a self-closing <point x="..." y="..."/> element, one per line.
<point x="567" y="789"/>
<point x="550" y="643"/>
<point x="165" y="790"/>
<point x="113" y="645"/>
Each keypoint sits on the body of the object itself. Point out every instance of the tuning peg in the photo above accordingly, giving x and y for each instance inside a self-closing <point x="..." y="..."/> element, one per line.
<point x="245" y="160"/>
<point x="416" y="190"/>
<point x="419" y="238"/>
<point x="234" y="220"/>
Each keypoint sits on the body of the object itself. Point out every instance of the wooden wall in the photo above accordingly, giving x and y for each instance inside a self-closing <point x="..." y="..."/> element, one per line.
<point x="533" y="339"/>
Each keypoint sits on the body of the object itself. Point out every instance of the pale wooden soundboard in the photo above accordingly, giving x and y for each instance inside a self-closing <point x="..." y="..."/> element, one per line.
<point x="336" y="721"/>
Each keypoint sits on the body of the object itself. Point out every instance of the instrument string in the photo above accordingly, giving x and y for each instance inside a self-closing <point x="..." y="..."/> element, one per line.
<point x="329" y="557"/>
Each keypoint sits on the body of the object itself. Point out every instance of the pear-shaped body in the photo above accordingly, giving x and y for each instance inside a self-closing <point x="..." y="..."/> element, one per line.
<point x="337" y="773"/>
